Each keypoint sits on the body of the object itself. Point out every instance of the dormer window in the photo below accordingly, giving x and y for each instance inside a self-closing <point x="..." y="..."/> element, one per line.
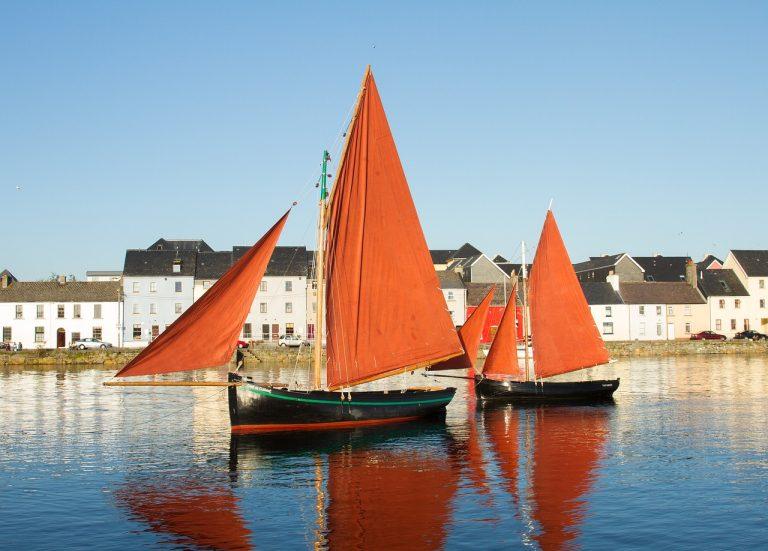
<point x="177" y="265"/>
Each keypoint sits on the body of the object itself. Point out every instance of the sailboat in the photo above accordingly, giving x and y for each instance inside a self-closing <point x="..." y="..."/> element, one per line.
<point x="562" y="331"/>
<point x="377" y="290"/>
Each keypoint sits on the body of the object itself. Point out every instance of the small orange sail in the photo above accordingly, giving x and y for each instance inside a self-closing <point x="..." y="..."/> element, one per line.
<point x="469" y="336"/>
<point x="563" y="330"/>
<point x="385" y="311"/>
<point x="502" y="357"/>
<point x="206" y="334"/>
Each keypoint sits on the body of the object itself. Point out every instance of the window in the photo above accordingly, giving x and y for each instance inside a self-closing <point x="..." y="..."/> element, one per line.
<point x="265" y="331"/>
<point x="136" y="309"/>
<point x="687" y="310"/>
<point x="762" y="303"/>
<point x="7" y="334"/>
<point x="177" y="266"/>
<point x="177" y="308"/>
<point x="137" y="331"/>
<point x="153" y="308"/>
<point x="642" y="328"/>
<point x="19" y="311"/>
<point x="609" y="314"/>
<point x="737" y="303"/>
<point x="718" y="325"/>
<point x="288" y="307"/>
<point x="314" y="308"/>
<point x="262" y="307"/>
<point x="97" y="333"/>
<point x="670" y="311"/>
<point x="450" y="295"/>
<point x="658" y="330"/>
<point x="288" y="286"/>
<point x="60" y="311"/>
<point x="206" y="284"/>
<point x="75" y="336"/>
<point x="687" y="328"/>
<point x="761" y="284"/>
<point x="40" y="312"/>
<point x="39" y="334"/>
<point x="76" y="311"/>
<point x="177" y="286"/>
<point x="153" y="286"/>
<point x="314" y="284"/>
<point x="658" y="310"/>
<point x="136" y="286"/>
<point x="607" y="328"/>
<point x="97" y="311"/>
<point x="289" y="329"/>
<point x="642" y="310"/>
<point x="155" y="331"/>
<point x="263" y="286"/>
<point x="721" y="303"/>
<point x="733" y="325"/>
<point x="247" y="331"/>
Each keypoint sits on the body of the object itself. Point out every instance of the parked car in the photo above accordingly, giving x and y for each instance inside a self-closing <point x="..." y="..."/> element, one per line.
<point x="5" y="346"/>
<point x="291" y="340"/>
<point x="707" y="336"/>
<point x="242" y="344"/>
<point x="82" y="344"/>
<point x="751" y="335"/>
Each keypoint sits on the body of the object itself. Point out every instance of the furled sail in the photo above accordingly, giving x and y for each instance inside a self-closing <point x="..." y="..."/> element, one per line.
<point x="502" y="357"/>
<point x="206" y="334"/>
<point x="385" y="311"/>
<point x="563" y="331"/>
<point x="469" y="335"/>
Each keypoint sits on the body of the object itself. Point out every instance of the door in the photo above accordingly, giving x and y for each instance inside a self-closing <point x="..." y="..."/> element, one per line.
<point x="671" y="331"/>
<point x="275" y="331"/>
<point x="311" y="331"/>
<point x="265" y="332"/>
<point x="61" y="338"/>
<point x="746" y="325"/>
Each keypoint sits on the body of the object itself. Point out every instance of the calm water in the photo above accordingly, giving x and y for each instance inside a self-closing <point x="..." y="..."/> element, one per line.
<point x="680" y="461"/>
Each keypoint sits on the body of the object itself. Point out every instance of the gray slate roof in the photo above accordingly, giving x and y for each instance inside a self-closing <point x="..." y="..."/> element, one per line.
<point x="510" y="267"/>
<point x="285" y="261"/>
<point x="709" y="259"/>
<point x="755" y="263"/>
<point x="498" y="259"/>
<point x="646" y="292"/>
<point x="158" y="263"/>
<point x="476" y="293"/>
<point x="441" y="256"/>
<point x="600" y="292"/>
<point x="663" y="268"/>
<point x="449" y="280"/>
<point x="597" y="262"/>
<point x="721" y="283"/>
<point x="466" y="250"/>
<point x="53" y="291"/>
<point x="11" y="277"/>
<point x="212" y="265"/>
<point x="180" y="245"/>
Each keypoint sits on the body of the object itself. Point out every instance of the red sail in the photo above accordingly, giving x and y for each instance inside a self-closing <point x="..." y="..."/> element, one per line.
<point x="502" y="357"/>
<point x="206" y="334"/>
<point x="567" y="449"/>
<point x="563" y="331"/>
<point x="196" y="516"/>
<point x="469" y="336"/>
<point x="386" y="313"/>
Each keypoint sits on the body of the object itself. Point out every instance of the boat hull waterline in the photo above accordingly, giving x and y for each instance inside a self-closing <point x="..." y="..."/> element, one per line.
<point x="258" y="407"/>
<point x="546" y="391"/>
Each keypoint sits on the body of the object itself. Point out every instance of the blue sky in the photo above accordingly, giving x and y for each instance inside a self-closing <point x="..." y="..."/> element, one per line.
<point x="647" y="122"/>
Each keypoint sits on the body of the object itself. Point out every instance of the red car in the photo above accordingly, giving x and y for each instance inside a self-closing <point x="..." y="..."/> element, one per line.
<point x="242" y="344"/>
<point x="707" y="336"/>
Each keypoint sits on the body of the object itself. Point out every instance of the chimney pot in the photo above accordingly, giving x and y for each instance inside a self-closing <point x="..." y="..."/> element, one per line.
<point x="62" y="279"/>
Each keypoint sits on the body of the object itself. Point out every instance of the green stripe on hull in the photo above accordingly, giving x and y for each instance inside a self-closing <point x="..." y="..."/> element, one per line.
<point x="345" y="402"/>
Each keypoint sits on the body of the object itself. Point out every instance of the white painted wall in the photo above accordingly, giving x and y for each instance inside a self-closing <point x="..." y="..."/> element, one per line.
<point x="754" y="308"/>
<point x="456" y="302"/>
<point x="615" y="314"/>
<point x="146" y="307"/>
<point x="647" y="322"/>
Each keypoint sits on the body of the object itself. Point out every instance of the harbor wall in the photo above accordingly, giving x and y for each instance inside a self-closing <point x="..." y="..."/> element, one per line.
<point x="266" y="353"/>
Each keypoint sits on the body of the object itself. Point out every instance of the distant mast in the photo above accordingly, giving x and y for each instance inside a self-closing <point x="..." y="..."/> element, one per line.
<point x="526" y="327"/>
<point x="317" y="364"/>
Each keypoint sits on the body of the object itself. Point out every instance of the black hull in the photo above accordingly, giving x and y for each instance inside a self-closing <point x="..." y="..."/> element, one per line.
<point x="547" y="391"/>
<point x="256" y="407"/>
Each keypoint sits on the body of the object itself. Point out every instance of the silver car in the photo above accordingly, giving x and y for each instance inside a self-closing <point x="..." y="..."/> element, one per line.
<point x="82" y="344"/>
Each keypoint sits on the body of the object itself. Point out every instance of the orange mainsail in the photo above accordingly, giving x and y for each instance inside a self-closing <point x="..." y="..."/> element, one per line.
<point x="469" y="335"/>
<point x="385" y="311"/>
<point x="502" y="357"/>
<point x="563" y="331"/>
<point x="206" y="334"/>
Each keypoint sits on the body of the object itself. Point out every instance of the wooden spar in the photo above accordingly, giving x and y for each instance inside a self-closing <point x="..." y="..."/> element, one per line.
<point x="317" y="366"/>
<point x="526" y="332"/>
<point x="172" y="383"/>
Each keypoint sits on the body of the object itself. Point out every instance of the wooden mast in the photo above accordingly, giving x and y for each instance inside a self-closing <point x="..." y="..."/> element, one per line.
<point x="526" y="333"/>
<point x="317" y="365"/>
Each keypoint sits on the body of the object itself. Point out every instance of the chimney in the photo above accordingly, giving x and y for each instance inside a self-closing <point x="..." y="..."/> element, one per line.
<point x="690" y="273"/>
<point x="62" y="279"/>
<point x="4" y="281"/>
<point x="613" y="279"/>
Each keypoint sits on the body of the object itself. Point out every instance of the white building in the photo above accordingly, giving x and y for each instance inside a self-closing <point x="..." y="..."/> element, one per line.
<point x="751" y="267"/>
<point x="455" y="293"/>
<point x="609" y="311"/>
<point x="52" y="314"/>
<point x="727" y="300"/>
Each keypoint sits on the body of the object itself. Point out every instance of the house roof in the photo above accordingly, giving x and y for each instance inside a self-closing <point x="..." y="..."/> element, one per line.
<point x="102" y="273"/>
<point x="53" y="291"/>
<point x="511" y="267"/>
<point x="721" y="283"/>
<point x="212" y="265"/>
<point x="11" y="277"/>
<point x="285" y="261"/>
<point x="466" y="250"/>
<point x="180" y="245"/>
<point x="600" y="292"/>
<point x="663" y="268"/>
<point x="658" y="292"/>
<point x="708" y="261"/>
<point x="498" y="259"/>
<point x="476" y="293"/>
<point x="440" y="256"/>
<point x="140" y="262"/>
<point x="449" y="280"/>
<point x="755" y="263"/>
<point x="598" y="262"/>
